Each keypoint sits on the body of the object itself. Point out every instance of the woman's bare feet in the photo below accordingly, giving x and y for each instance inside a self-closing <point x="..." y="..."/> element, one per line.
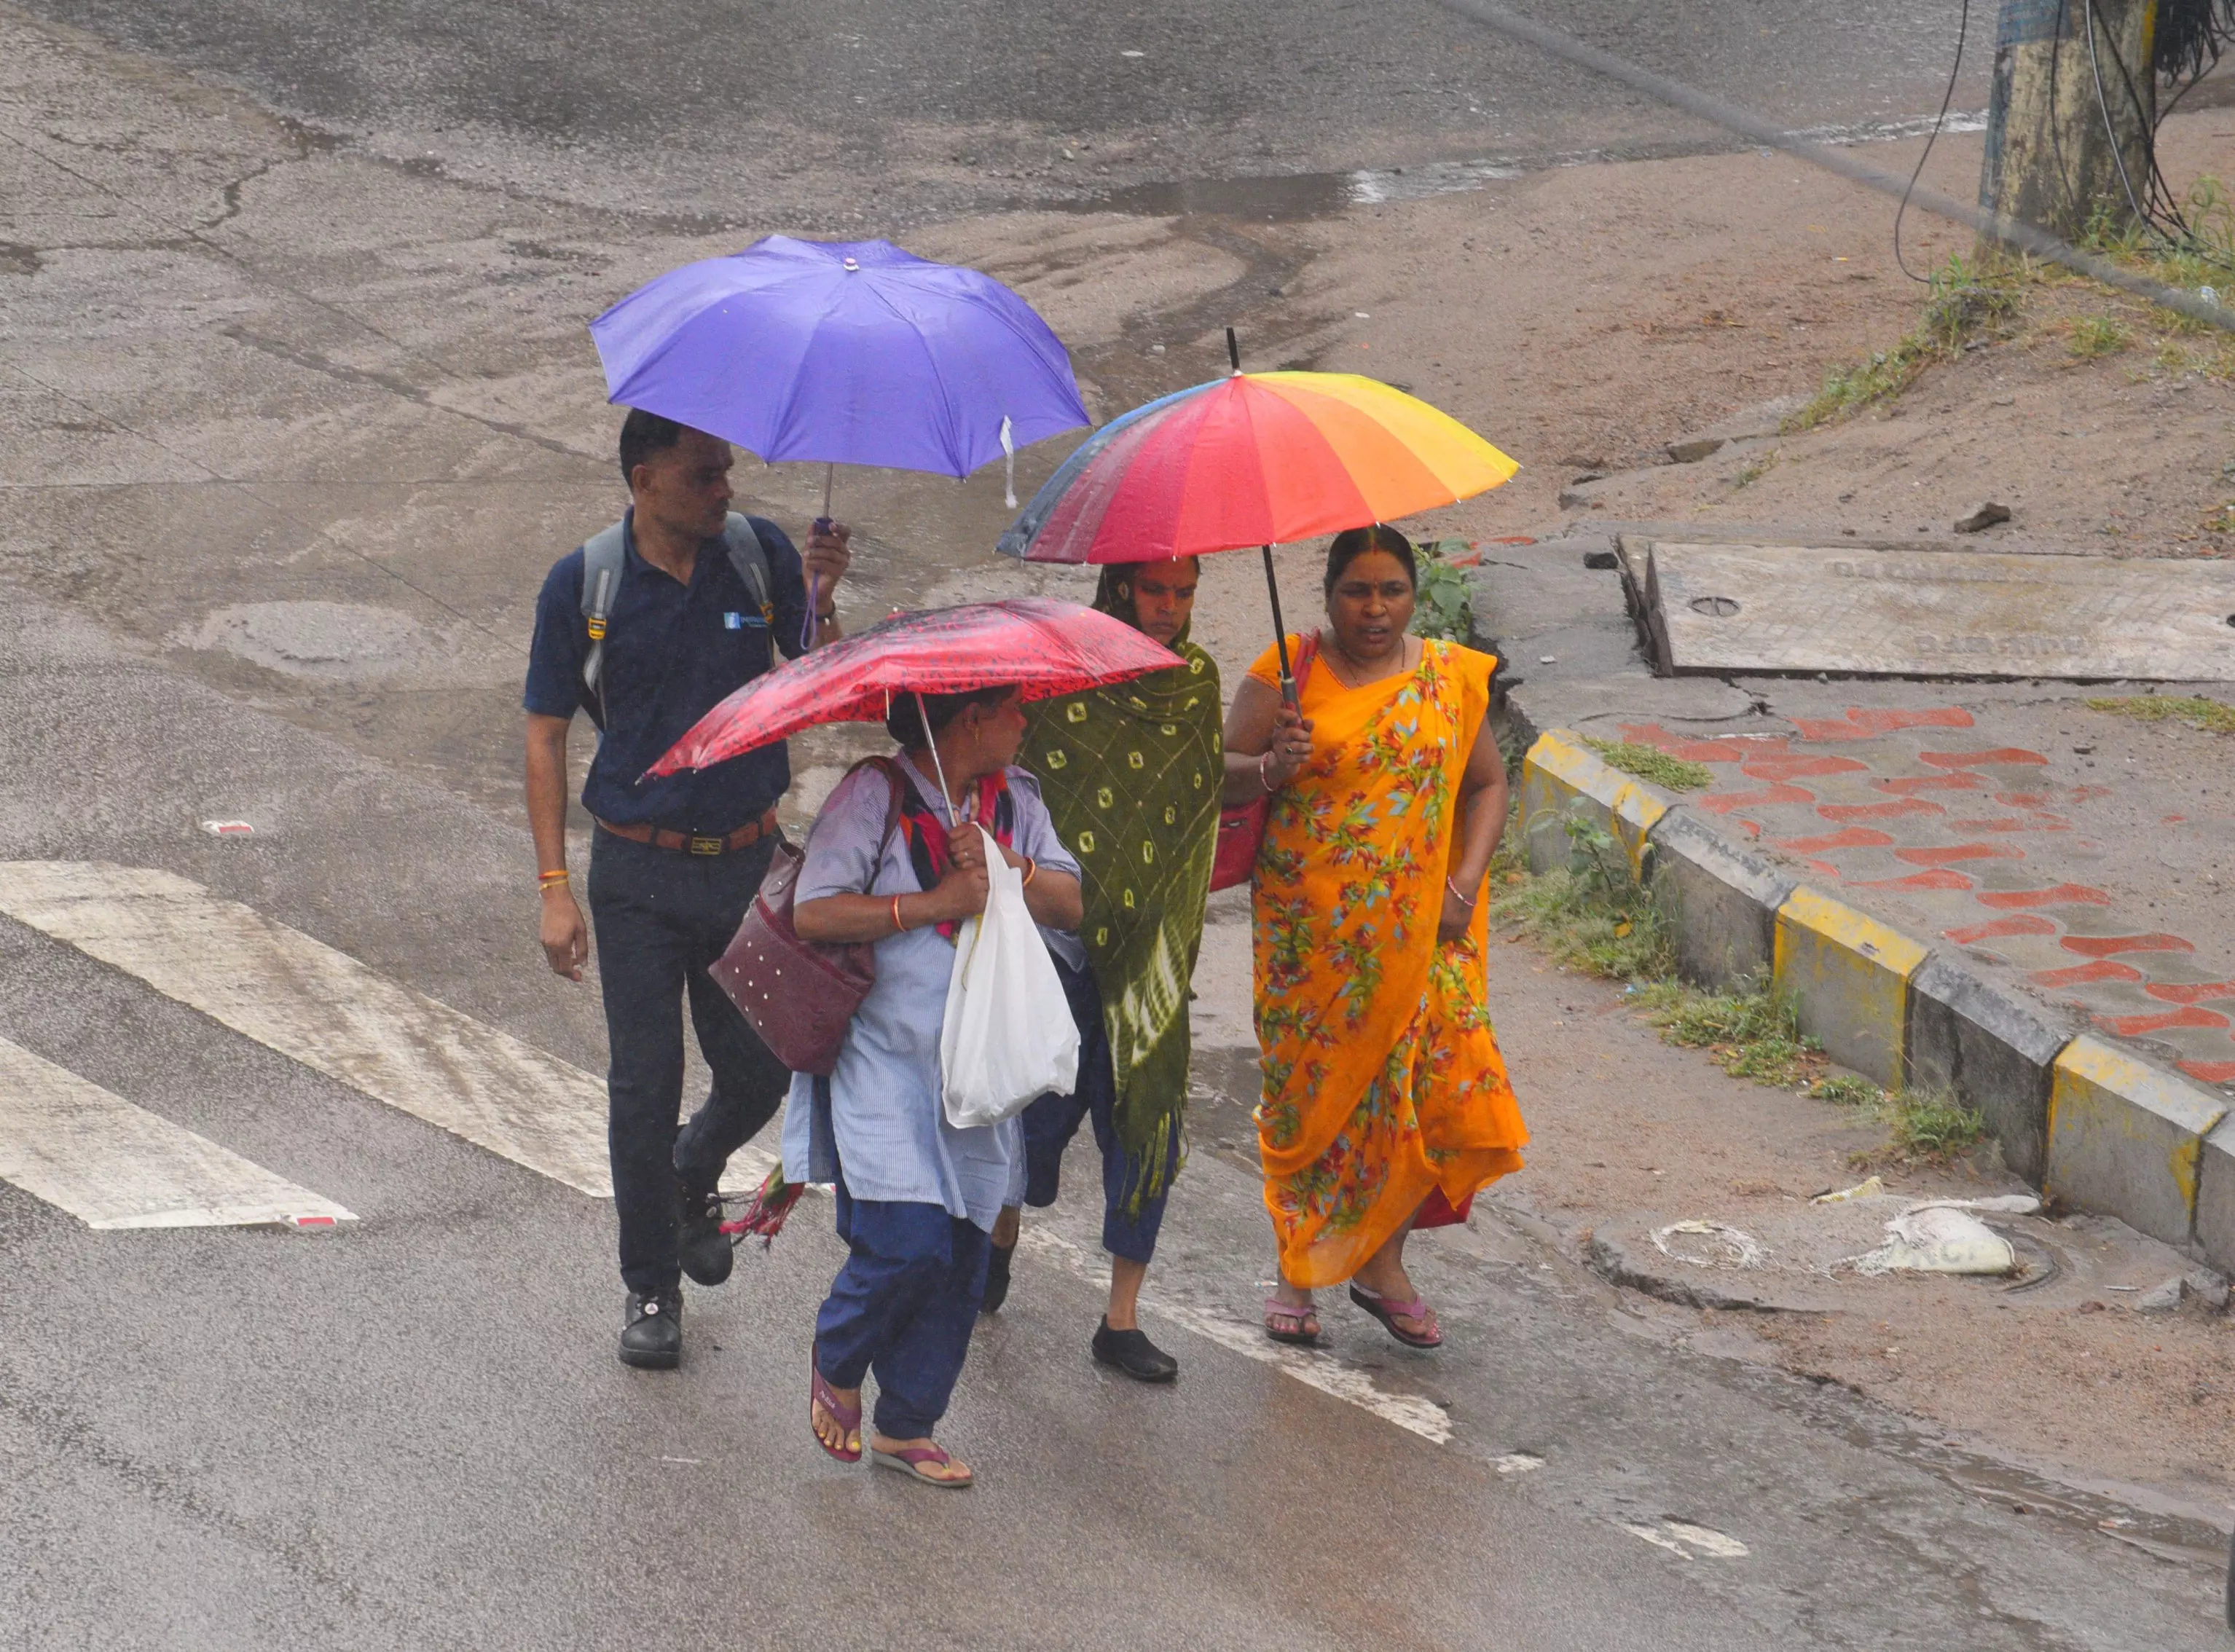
<point x="838" y="1438"/>
<point x="930" y="1459"/>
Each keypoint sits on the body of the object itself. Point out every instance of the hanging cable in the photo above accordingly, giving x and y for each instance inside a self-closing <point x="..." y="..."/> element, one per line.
<point x="1962" y="30"/>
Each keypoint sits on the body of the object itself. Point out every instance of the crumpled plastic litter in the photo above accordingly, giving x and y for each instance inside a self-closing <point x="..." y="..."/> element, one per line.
<point x="1942" y="1237"/>
<point x="1746" y="1250"/>
<point x="1869" y="1189"/>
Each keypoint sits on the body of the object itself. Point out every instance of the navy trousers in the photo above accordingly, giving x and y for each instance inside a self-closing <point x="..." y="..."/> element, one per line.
<point x="901" y="1308"/>
<point x="661" y="916"/>
<point x="1050" y="1122"/>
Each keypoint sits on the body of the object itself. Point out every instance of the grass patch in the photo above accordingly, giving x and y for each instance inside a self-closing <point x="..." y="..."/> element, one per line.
<point x="1651" y="763"/>
<point x="2213" y="716"/>
<point x="1964" y="303"/>
<point x="1848" y="1090"/>
<point x="1749" y="1035"/>
<point x="1590" y="915"/>
<point x="1754" y="469"/>
<point x="2093" y="336"/>
<point x="1931" y="1126"/>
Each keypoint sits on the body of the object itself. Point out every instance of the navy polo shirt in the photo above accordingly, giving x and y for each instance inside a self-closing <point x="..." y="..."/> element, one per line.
<point x="672" y="653"/>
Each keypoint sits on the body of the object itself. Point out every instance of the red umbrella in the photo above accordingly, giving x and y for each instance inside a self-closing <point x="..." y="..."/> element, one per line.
<point x="1041" y="647"/>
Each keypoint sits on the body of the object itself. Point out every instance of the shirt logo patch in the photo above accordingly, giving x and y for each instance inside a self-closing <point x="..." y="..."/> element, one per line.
<point x="734" y="622"/>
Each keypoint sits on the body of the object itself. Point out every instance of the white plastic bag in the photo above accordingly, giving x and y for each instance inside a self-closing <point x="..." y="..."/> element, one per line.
<point x="1009" y="1038"/>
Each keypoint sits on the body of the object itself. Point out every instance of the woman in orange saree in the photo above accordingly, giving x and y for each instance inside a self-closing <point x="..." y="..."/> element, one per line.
<point x="1385" y="1104"/>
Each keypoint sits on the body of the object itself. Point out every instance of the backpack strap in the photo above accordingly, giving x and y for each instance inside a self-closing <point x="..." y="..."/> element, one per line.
<point x="742" y="538"/>
<point x="603" y="555"/>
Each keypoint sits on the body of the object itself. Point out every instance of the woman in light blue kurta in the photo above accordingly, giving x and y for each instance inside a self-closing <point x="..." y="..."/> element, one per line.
<point x="916" y="1196"/>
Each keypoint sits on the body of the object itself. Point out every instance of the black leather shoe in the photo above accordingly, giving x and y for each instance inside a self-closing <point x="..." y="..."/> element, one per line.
<point x="652" y="1335"/>
<point x="701" y="1246"/>
<point x="1132" y="1352"/>
<point x="997" y="1277"/>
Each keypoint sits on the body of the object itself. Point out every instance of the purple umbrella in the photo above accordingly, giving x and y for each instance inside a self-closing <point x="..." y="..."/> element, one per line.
<point x="842" y="352"/>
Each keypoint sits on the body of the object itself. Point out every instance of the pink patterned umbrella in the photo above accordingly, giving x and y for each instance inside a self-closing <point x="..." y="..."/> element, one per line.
<point x="1041" y="647"/>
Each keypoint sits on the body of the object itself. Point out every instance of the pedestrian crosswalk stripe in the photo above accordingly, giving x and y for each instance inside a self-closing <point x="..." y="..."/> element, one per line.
<point x="111" y="1164"/>
<point x="324" y="1009"/>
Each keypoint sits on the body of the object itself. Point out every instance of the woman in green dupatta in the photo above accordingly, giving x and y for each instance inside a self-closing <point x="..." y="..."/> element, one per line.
<point x="1131" y="774"/>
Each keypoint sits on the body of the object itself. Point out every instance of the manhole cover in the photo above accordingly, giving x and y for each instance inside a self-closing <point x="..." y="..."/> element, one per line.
<point x="314" y="639"/>
<point x="1938" y="613"/>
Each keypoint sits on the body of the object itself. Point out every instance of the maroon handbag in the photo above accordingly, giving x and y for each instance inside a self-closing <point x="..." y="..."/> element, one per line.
<point x="799" y="996"/>
<point x="1241" y="827"/>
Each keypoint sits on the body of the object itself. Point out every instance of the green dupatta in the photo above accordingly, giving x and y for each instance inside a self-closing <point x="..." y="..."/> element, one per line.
<point x="1131" y="774"/>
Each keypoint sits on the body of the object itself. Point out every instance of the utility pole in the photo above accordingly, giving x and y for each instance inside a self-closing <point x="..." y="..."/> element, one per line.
<point x="2069" y="119"/>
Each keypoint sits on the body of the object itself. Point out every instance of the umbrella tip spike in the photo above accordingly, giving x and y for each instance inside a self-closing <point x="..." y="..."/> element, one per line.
<point x="1233" y="349"/>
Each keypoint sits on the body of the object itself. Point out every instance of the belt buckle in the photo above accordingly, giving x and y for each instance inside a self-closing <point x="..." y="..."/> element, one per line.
<point x="707" y="845"/>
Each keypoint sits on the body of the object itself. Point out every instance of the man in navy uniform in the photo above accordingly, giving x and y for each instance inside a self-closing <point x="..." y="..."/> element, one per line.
<point x="648" y="626"/>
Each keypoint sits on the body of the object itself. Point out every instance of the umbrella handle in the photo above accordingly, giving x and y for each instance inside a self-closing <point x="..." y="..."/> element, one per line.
<point x="1288" y="691"/>
<point x="821" y="525"/>
<point x="937" y="767"/>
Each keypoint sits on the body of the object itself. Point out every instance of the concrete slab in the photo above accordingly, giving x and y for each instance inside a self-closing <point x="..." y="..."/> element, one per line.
<point x="1991" y="1052"/>
<point x="1849" y="977"/>
<point x="1723" y="900"/>
<point x="1798" y="608"/>
<point x="1560" y="779"/>
<point x="2125" y="1138"/>
<point x="2215" y="1197"/>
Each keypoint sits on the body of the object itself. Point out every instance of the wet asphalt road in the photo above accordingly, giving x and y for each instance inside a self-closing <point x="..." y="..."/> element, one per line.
<point x="411" y="1433"/>
<point x="882" y="111"/>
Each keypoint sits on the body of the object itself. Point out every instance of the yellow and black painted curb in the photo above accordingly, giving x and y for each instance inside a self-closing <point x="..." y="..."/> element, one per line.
<point x="2086" y="1122"/>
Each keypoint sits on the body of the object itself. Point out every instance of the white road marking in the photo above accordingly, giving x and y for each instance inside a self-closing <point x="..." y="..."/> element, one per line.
<point x="324" y="1009"/>
<point x="1316" y="1370"/>
<point x="111" y="1164"/>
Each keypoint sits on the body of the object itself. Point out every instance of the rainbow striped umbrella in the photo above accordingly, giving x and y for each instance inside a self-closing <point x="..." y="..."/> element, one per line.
<point x="1253" y="459"/>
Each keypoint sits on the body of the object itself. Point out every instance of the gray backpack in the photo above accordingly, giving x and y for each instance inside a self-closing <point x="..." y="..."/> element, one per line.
<point x="602" y="556"/>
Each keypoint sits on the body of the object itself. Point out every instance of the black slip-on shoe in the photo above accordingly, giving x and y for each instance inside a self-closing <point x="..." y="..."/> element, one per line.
<point x="1132" y="1352"/>
<point x="700" y="1245"/>
<point x="998" y="1259"/>
<point x="652" y="1334"/>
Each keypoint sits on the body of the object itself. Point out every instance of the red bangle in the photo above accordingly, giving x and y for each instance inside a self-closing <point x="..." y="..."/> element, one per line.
<point x="899" y="928"/>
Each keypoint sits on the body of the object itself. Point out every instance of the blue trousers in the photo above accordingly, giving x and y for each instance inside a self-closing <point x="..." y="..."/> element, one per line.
<point x="901" y="1308"/>
<point x="1050" y="1122"/>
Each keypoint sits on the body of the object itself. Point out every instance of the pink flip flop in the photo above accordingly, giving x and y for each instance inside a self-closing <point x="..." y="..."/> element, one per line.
<point x="848" y="1418"/>
<point x="910" y="1459"/>
<point x="1277" y="1309"/>
<point x="1388" y="1311"/>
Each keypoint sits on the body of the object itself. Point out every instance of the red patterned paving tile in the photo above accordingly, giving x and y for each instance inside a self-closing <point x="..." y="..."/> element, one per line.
<point x="1861" y="723"/>
<point x="2013" y="823"/>
<point x="1954" y="852"/>
<point x="2105" y="946"/>
<point x="1783" y="766"/>
<point x="1841" y="813"/>
<point x="2022" y="799"/>
<point x="1692" y="751"/>
<point x="1846" y="837"/>
<point x="2085" y="974"/>
<point x="2191" y="992"/>
<point x="2061" y="894"/>
<point x="2217" y="1073"/>
<point x="2081" y="794"/>
<point x="2173" y="820"/>
<point x="2025" y="924"/>
<point x="1724" y="802"/>
<point x="2136" y="1027"/>
<point x="1994" y="758"/>
<point x="1824" y="867"/>
<point x="1939" y="878"/>
<point x="1915" y="783"/>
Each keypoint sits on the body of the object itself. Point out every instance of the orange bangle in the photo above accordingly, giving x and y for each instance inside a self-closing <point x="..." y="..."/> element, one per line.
<point x="899" y="928"/>
<point x="1032" y="871"/>
<point x="548" y="880"/>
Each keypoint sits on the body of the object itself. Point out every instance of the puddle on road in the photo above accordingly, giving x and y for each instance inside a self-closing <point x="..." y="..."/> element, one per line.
<point x="1294" y="197"/>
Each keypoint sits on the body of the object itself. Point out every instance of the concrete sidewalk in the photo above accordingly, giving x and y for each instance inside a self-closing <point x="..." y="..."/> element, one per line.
<point x="1994" y="889"/>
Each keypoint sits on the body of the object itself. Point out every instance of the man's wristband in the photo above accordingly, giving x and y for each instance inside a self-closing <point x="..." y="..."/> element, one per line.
<point x="825" y="619"/>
